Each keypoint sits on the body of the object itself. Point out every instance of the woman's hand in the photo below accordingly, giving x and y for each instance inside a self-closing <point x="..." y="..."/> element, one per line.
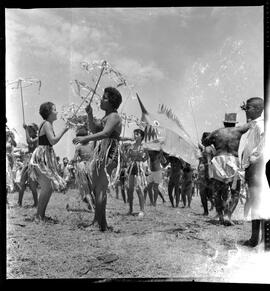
<point x="66" y="128"/>
<point x="78" y="139"/>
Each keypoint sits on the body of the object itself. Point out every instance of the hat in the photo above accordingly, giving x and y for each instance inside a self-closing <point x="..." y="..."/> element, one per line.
<point x="230" y="118"/>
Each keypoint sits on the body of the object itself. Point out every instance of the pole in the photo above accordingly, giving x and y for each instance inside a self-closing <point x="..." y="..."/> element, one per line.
<point x="125" y="126"/>
<point x="20" y="84"/>
<point x="103" y="67"/>
<point x="194" y="120"/>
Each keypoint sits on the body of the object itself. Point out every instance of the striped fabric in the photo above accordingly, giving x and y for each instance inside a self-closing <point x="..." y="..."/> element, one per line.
<point x="82" y="177"/>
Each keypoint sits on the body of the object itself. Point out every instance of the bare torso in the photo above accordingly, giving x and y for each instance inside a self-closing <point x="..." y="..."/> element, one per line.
<point x="226" y="140"/>
<point x="85" y="151"/>
<point x="155" y="159"/>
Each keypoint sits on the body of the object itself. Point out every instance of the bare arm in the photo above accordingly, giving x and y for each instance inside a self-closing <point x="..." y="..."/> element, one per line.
<point x="244" y="128"/>
<point x="126" y="138"/>
<point x="29" y="139"/>
<point x="111" y="123"/>
<point x="209" y="139"/>
<point x="53" y="139"/>
<point x="93" y="124"/>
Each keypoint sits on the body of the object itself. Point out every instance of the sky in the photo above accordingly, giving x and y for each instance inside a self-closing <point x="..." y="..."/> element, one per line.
<point x="201" y="62"/>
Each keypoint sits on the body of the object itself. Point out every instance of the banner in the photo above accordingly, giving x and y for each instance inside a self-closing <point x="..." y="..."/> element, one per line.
<point x="163" y="131"/>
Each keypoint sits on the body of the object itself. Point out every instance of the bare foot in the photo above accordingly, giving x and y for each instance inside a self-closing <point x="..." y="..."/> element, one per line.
<point x="106" y="228"/>
<point x="141" y="214"/>
<point x="229" y="222"/>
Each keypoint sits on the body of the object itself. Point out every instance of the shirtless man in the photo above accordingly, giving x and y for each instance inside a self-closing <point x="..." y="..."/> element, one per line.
<point x="32" y="141"/>
<point x="154" y="179"/>
<point x="174" y="180"/>
<point x="186" y="185"/>
<point x="205" y="184"/>
<point x="225" y="165"/>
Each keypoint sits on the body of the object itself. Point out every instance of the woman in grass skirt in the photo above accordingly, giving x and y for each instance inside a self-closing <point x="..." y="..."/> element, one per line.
<point x="136" y="155"/>
<point x="43" y="164"/>
<point x="106" y="157"/>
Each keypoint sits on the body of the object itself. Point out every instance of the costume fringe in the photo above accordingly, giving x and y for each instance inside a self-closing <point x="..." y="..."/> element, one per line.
<point x="82" y="178"/>
<point x="44" y="160"/>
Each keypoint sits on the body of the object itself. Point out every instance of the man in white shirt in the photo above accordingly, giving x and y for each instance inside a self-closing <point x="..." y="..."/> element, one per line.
<point x="252" y="163"/>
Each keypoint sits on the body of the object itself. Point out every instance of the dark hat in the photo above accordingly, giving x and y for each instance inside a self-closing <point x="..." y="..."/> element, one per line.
<point x="230" y="118"/>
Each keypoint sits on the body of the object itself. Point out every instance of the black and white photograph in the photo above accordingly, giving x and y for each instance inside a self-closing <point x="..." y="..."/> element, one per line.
<point x="136" y="144"/>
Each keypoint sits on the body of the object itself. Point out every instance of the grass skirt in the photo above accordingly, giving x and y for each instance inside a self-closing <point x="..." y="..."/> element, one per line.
<point x="141" y="180"/>
<point x="82" y="177"/>
<point x="107" y="156"/>
<point x="43" y="161"/>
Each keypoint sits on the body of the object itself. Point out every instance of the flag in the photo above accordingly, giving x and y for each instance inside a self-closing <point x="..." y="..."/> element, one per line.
<point x="164" y="131"/>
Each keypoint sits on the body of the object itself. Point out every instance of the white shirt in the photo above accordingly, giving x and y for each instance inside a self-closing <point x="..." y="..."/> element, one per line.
<point x="252" y="147"/>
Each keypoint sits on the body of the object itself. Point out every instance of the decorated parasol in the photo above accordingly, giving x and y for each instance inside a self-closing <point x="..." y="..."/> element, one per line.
<point x="21" y="83"/>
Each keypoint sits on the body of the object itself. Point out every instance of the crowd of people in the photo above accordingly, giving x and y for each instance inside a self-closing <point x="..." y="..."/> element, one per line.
<point x="104" y="161"/>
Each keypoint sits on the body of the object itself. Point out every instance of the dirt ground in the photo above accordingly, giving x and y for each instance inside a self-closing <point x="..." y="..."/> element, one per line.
<point x="167" y="243"/>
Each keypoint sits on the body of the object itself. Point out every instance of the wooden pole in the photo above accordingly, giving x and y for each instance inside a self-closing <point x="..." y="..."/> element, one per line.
<point x="194" y="120"/>
<point x="20" y="84"/>
<point x="103" y="67"/>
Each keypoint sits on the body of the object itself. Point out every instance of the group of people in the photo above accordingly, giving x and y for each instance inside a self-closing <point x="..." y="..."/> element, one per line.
<point x="104" y="160"/>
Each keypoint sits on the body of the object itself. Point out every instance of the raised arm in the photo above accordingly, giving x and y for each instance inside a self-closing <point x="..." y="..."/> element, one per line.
<point x="207" y="141"/>
<point x="29" y="139"/>
<point x="53" y="139"/>
<point x="93" y="124"/>
<point x="245" y="127"/>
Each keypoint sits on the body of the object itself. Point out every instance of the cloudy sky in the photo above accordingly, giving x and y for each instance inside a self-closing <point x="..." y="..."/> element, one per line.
<point x="201" y="62"/>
